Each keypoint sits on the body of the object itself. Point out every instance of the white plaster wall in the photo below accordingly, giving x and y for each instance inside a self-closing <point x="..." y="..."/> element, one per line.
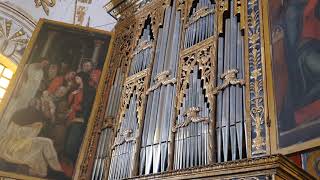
<point x="24" y="15"/>
<point x="64" y="11"/>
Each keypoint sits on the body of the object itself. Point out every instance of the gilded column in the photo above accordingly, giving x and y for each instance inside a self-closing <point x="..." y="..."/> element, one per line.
<point x="256" y="92"/>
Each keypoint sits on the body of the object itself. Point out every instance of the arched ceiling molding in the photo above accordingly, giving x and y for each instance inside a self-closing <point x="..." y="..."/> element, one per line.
<point x="16" y="27"/>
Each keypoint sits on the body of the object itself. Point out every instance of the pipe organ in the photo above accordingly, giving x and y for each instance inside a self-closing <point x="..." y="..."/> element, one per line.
<point x="230" y="90"/>
<point x="177" y="92"/>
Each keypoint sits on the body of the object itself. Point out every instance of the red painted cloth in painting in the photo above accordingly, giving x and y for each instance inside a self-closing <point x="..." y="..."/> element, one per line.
<point x="55" y="84"/>
<point x="296" y="158"/>
<point x="67" y="168"/>
<point x="94" y="78"/>
<point x="75" y="100"/>
<point x="311" y="24"/>
<point x="308" y="113"/>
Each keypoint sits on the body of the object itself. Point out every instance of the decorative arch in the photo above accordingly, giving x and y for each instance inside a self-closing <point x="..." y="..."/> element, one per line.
<point x="16" y="27"/>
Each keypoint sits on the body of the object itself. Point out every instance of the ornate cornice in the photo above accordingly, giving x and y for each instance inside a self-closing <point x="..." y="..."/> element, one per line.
<point x="122" y="9"/>
<point x="267" y="166"/>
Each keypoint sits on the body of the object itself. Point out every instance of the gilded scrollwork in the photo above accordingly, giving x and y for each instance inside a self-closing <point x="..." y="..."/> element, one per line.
<point x="256" y="86"/>
<point x="122" y="47"/>
<point x="161" y="79"/>
<point x="142" y="46"/>
<point x="125" y="137"/>
<point x="191" y="116"/>
<point x="180" y="5"/>
<point x="108" y="122"/>
<point x="199" y="14"/>
<point x="135" y="84"/>
<point x="260" y="168"/>
<point x="154" y="10"/>
<point x="229" y="79"/>
<point x="203" y="54"/>
<point x="92" y="139"/>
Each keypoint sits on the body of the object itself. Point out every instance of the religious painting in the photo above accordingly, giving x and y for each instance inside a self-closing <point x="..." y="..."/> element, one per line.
<point x="48" y="109"/>
<point x="311" y="162"/>
<point x="295" y="50"/>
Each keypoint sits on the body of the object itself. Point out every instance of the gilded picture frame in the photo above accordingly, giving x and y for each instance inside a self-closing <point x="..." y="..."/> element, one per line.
<point x="272" y="104"/>
<point x="81" y="164"/>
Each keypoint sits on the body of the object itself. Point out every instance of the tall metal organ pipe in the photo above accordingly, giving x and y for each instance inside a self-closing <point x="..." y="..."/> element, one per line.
<point x="200" y="28"/>
<point x="192" y="133"/>
<point x="106" y="136"/>
<point x="121" y="165"/>
<point x="230" y="114"/>
<point x="160" y="103"/>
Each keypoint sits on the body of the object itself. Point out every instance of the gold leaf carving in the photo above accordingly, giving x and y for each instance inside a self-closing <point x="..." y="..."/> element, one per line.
<point x="162" y="79"/>
<point x="191" y="116"/>
<point x="230" y="79"/>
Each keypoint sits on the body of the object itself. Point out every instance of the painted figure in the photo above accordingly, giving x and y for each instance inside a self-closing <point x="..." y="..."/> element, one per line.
<point x="302" y="40"/>
<point x="26" y="90"/>
<point x="44" y="122"/>
<point x="21" y="143"/>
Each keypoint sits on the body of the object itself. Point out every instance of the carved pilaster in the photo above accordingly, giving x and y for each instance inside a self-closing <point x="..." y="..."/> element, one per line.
<point x="256" y="82"/>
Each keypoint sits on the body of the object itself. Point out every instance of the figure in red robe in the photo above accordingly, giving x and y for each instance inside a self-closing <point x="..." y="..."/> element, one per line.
<point x="302" y="35"/>
<point x="75" y="99"/>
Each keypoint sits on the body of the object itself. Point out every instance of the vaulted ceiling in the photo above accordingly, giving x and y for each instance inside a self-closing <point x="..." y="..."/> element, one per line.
<point x="18" y="19"/>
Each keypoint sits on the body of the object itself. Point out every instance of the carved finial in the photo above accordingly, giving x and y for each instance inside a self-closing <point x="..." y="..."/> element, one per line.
<point x="239" y="9"/>
<point x="223" y="5"/>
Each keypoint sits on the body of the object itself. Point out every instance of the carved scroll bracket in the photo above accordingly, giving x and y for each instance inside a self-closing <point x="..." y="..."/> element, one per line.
<point x="191" y="116"/>
<point x="161" y="79"/>
<point x="229" y="79"/>
<point x="108" y="122"/>
<point x="124" y="137"/>
<point x="199" y="14"/>
<point x="142" y="46"/>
